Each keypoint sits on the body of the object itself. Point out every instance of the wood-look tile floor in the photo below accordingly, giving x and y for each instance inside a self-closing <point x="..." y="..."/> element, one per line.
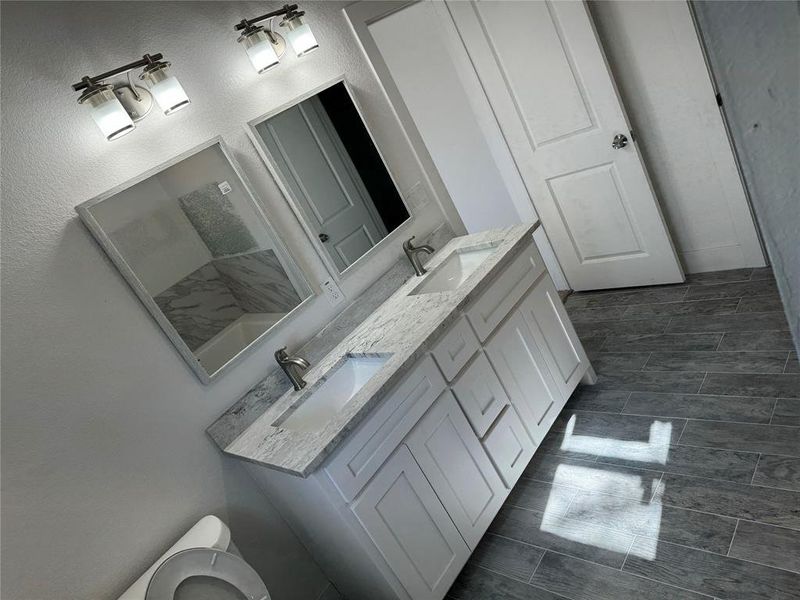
<point x="676" y="476"/>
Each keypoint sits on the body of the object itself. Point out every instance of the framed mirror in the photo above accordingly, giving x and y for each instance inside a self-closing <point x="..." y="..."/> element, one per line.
<point x="328" y="166"/>
<point x="200" y="254"/>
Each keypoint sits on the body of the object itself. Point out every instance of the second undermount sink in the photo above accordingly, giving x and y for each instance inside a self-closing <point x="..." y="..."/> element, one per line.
<point x="454" y="270"/>
<point x="316" y="407"/>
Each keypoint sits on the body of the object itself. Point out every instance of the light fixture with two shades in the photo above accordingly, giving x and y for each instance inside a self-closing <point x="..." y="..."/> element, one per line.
<point x="116" y="107"/>
<point x="265" y="47"/>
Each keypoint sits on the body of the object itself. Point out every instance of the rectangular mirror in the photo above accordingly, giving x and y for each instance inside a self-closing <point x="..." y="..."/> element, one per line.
<point x="193" y="243"/>
<point x="332" y="174"/>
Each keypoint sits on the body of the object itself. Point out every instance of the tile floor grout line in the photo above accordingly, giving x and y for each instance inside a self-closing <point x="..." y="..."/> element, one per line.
<point x="755" y="470"/>
<point x="786" y="364"/>
<point x="628" y="552"/>
<point x="624" y="406"/>
<point x="683" y="429"/>
<point x="702" y="383"/>
<point x="631" y="574"/>
<point x="739" y="450"/>
<point x="774" y="408"/>
<point x="738" y="304"/>
<point x="656" y="488"/>
<point x="539" y="562"/>
<point x="752" y="562"/>
<point x="649" y="356"/>
<point x="665" y="472"/>
<point x="732" y="422"/>
<point x="722" y="337"/>
<point x="733" y="537"/>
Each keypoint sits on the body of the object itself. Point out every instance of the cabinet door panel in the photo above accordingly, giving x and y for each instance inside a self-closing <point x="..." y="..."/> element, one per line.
<point x="561" y="348"/>
<point x="480" y="394"/>
<point x="509" y="446"/>
<point x="410" y="528"/>
<point x="458" y="468"/>
<point x="516" y="357"/>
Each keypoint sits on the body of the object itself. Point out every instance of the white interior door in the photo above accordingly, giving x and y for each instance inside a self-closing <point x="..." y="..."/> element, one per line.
<point x="544" y="72"/>
<point x="324" y="181"/>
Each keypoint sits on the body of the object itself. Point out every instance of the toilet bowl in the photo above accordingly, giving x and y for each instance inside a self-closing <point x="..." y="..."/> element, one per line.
<point x="202" y="564"/>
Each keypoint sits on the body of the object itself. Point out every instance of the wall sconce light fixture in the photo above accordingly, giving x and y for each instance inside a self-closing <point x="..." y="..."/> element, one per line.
<point x="264" y="47"/>
<point x="116" y="108"/>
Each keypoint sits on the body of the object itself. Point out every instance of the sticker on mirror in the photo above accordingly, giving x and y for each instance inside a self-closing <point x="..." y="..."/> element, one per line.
<point x="225" y="187"/>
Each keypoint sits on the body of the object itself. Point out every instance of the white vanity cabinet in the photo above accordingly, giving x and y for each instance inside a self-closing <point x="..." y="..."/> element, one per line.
<point x="397" y="508"/>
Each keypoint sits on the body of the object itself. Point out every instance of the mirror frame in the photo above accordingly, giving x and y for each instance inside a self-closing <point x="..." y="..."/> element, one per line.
<point x="271" y="164"/>
<point x="84" y="212"/>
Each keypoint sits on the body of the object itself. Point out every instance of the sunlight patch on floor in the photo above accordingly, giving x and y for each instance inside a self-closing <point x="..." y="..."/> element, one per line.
<point x="654" y="450"/>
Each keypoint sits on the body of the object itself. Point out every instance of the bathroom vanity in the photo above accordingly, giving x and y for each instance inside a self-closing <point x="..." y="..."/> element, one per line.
<point x="392" y="462"/>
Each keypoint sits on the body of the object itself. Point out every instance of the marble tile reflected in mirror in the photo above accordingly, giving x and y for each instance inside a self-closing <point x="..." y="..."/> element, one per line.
<point x="201" y="255"/>
<point x="333" y="175"/>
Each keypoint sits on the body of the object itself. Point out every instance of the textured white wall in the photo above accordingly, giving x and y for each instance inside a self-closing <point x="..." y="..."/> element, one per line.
<point x="104" y="456"/>
<point x="754" y="50"/>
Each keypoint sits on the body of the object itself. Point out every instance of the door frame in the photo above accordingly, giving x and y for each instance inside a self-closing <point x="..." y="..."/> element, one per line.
<point x="726" y="124"/>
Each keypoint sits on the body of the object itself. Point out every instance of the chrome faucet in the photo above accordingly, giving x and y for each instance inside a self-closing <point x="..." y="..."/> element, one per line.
<point x="412" y="251"/>
<point x="290" y="364"/>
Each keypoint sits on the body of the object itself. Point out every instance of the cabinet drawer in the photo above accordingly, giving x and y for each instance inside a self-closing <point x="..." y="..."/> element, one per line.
<point x="509" y="446"/>
<point x="455" y="349"/>
<point x="486" y="312"/>
<point x="411" y="529"/>
<point x="480" y="394"/>
<point x="382" y="431"/>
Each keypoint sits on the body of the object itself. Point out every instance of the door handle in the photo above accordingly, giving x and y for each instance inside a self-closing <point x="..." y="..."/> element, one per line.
<point x="620" y="141"/>
<point x="323" y="237"/>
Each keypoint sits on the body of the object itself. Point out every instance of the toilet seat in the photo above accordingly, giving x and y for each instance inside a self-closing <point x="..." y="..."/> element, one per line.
<point x="207" y="562"/>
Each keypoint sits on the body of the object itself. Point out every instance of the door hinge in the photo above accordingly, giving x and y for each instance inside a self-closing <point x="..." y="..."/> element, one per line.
<point x="719" y="99"/>
<point x="633" y="136"/>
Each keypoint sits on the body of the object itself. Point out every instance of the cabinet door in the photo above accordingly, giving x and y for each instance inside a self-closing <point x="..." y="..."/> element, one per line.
<point x="480" y="394"/>
<point x="509" y="446"/>
<point x="366" y="449"/>
<point x="408" y="524"/>
<point x="458" y="468"/>
<point x="518" y="361"/>
<point x="560" y="346"/>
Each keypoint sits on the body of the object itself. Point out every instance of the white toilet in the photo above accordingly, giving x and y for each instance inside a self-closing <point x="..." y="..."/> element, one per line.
<point x="202" y="565"/>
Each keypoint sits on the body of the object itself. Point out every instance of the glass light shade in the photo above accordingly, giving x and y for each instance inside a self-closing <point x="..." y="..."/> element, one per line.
<point x="300" y="37"/>
<point x="260" y="50"/>
<point x="166" y="89"/>
<point x="108" y="113"/>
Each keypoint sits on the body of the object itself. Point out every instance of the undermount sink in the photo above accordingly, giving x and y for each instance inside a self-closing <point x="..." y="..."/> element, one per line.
<point x="455" y="270"/>
<point x="328" y="396"/>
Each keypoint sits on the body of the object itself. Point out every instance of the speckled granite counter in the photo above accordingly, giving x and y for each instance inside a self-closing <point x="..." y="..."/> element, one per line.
<point x="404" y="327"/>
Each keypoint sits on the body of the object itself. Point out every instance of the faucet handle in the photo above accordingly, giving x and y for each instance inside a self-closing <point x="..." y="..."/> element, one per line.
<point x="407" y="245"/>
<point x="280" y="354"/>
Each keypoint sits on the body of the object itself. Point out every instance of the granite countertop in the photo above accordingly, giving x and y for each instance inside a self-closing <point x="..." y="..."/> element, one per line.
<point x="403" y="328"/>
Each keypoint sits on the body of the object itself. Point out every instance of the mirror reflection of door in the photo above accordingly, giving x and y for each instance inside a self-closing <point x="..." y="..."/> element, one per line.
<point x="333" y="171"/>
